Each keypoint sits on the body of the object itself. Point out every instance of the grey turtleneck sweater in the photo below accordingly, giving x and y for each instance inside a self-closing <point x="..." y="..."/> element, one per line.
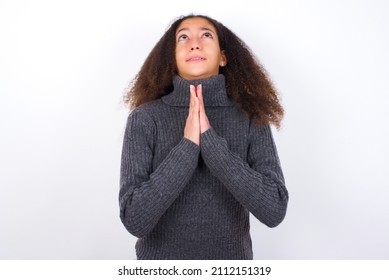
<point x="185" y="201"/>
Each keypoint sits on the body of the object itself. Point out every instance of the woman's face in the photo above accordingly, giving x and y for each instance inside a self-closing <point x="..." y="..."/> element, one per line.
<point x="198" y="54"/>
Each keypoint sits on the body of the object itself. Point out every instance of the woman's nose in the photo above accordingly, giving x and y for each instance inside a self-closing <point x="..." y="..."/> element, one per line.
<point x="195" y="44"/>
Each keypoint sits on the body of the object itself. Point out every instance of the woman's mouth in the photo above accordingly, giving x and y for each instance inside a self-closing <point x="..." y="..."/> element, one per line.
<point x="195" y="58"/>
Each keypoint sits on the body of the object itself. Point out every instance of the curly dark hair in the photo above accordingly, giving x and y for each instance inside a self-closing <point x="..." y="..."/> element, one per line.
<point x="247" y="82"/>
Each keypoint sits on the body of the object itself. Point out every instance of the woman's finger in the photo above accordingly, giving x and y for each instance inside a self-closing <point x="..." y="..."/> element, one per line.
<point x="199" y="92"/>
<point x="204" y="122"/>
<point x="192" y="127"/>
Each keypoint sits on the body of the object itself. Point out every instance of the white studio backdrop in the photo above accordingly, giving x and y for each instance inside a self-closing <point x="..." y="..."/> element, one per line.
<point x="64" y="66"/>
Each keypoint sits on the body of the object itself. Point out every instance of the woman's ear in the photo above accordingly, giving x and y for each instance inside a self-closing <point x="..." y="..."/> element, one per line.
<point x="223" y="59"/>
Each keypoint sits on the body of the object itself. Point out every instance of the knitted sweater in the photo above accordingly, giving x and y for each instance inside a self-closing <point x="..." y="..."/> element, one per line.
<point x="185" y="201"/>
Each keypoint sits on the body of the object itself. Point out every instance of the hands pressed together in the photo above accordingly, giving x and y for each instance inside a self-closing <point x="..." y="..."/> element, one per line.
<point x="197" y="121"/>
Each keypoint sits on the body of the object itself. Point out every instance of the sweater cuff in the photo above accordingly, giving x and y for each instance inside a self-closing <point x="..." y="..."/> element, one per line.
<point x="187" y="149"/>
<point x="210" y="138"/>
<point x="185" y="143"/>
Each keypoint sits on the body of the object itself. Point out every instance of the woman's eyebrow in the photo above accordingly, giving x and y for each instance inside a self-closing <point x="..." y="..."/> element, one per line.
<point x="201" y="28"/>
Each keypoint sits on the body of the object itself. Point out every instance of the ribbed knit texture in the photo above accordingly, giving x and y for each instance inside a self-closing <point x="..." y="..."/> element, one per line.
<point x="185" y="201"/>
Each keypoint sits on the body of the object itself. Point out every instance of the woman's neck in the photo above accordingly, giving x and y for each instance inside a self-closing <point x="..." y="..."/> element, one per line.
<point x="214" y="92"/>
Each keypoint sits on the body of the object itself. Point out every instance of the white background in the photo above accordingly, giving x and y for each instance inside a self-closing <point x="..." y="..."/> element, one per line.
<point x="64" y="66"/>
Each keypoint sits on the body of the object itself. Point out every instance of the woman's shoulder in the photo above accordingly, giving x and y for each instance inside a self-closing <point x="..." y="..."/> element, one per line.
<point x="149" y="109"/>
<point x="149" y="106"/>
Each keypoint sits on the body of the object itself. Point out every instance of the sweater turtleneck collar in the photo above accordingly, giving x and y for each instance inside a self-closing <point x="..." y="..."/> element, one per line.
<point x="214" y="92"/>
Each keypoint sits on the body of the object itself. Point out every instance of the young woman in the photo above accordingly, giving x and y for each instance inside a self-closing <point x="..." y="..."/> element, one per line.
<point x="198" y="153"/>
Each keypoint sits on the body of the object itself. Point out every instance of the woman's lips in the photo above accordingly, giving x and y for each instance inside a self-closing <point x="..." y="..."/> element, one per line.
<point x="195" y="58"/>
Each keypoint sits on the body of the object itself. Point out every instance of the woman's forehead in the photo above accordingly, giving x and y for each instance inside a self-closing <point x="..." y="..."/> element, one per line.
<point x="195" y="22"/>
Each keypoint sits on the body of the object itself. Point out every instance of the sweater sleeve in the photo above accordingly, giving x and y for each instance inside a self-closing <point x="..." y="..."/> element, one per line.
<point x="145" y="195"/>
<point x="257" y="184"/>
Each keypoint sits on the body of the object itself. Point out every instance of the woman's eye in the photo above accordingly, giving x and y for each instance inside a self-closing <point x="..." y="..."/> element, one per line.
<point x="182" y="38"/>
<point x="207" y="35"/>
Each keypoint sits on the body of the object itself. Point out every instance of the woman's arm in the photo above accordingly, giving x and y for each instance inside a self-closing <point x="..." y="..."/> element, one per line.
<point x="257" y="184"/>
<point x="145" y="195"/>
